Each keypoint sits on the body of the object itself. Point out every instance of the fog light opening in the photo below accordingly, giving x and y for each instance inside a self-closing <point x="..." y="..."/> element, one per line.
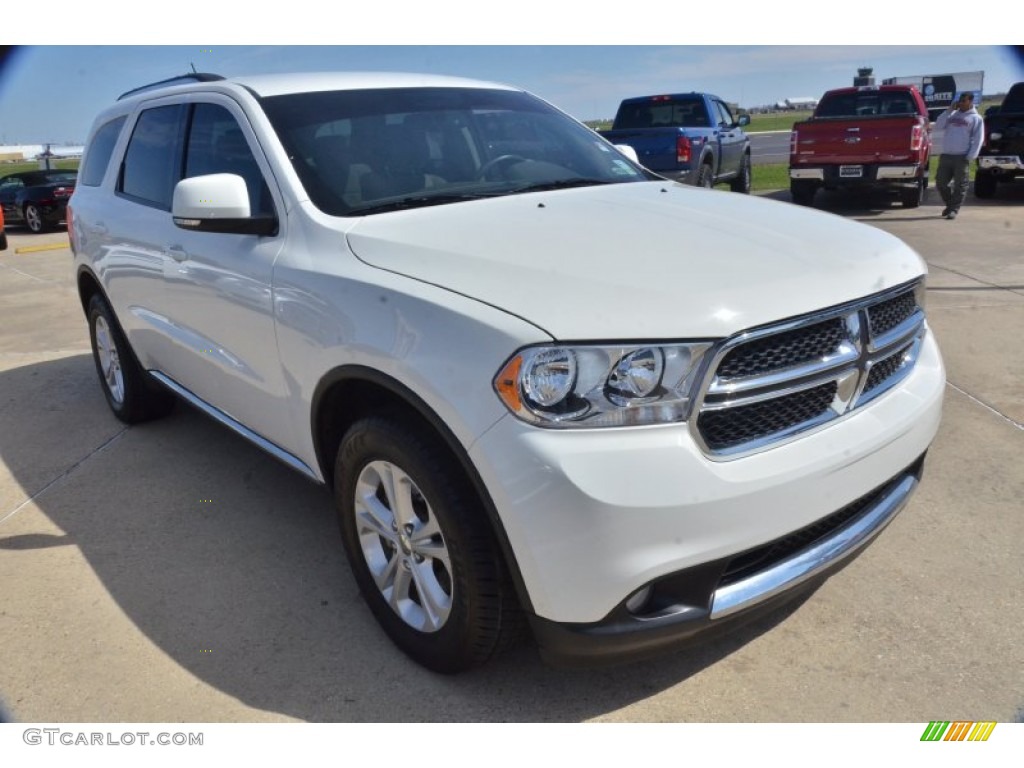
<point x="638" y="600"/>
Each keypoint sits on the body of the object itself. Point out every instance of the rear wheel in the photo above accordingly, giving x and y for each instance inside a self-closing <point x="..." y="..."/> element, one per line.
<point x="985" y="184"/>
<point x="705" y="178"/>
<point x="421" y="548"/>
<point x="33" y="218"/>
<point x="912" y="197"/>
<point x="130" y="393"/>
<point x="742" y="182"/>
<point x="802" y="191"/>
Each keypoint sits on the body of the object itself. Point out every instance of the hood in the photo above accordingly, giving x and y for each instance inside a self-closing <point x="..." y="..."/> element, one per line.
<point x="638" y="261"/>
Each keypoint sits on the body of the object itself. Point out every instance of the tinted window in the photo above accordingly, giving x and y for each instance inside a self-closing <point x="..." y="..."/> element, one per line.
<point x="661" y="113"/>
<point x="153" y="160"/>
<point x="216" y="144"/>
<point x="866" y="104"/>
<point x="97" y="157"/>
<point x="1014" y="101"/>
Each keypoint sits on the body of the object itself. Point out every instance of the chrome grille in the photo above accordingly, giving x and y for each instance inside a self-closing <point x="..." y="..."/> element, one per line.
<point x="791" y="348"/>
<point x="734" y="426"/>
<point x="887" y="315"/>
<point x="770" y="384"/>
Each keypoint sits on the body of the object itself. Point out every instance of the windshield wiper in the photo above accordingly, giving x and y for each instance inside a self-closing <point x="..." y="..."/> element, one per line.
<point x="542" y="186"/>
<point x="418" y="201"/>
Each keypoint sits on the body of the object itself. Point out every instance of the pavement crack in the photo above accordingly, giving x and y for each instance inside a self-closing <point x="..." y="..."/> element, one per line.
<point x="26" y="274"/>
<point x="985" y="405"/>
<point x="1016" y="289"/>
<point x="65" y="474"/>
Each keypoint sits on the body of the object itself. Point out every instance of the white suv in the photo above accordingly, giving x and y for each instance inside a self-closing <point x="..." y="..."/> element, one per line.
<point x="547" y="387"/>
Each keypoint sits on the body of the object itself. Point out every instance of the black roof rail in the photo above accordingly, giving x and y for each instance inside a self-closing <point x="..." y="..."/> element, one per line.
<point x="196" y="77"/>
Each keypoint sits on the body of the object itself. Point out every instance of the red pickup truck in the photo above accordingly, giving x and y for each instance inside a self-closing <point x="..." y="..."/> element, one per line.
<point x="863" y="137"/>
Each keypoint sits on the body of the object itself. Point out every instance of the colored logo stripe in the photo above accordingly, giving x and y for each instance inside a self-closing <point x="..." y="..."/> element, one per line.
<point x="958" y="730"/>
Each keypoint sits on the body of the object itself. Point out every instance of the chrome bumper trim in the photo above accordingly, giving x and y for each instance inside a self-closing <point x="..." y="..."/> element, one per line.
<point x="843" y="544"/>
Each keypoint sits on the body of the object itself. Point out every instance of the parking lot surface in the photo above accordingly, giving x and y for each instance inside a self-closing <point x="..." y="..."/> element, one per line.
<point x="174" y="573"/>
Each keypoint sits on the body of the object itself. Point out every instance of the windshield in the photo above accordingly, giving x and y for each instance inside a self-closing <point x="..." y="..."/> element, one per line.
<point x="370" y="151"/>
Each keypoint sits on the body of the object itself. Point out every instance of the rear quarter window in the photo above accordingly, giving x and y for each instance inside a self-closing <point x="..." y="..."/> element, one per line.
<point x="97" y="155"/>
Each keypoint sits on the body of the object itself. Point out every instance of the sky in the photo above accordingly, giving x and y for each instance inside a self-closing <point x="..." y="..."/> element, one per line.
<point x="50" y="91"/>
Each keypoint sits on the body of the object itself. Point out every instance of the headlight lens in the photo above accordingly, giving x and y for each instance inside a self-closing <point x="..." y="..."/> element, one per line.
<point x="549" y="377"/>
<point x="601" y="385"/>
<point x="637" y="375"/>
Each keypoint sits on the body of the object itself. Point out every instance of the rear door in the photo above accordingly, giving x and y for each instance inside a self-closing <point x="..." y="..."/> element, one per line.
<point x="197" y="306"/>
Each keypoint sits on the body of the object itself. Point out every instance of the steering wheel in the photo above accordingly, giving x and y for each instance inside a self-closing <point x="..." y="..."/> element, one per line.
<point x="500" y="160"/>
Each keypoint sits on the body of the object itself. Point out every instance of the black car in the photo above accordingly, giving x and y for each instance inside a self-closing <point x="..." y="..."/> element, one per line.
<point x="37" y="199"/>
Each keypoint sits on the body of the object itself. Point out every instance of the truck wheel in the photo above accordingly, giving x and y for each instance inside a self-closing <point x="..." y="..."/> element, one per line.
<point x="421" y="548"/>
<point x="802" y="191"/>
<point x="705" y="178"/>
<point x="130" y="393"/>
<point x="742" y="182"/>
<point x="912" y="197"/>
<point x="985" y="184"/>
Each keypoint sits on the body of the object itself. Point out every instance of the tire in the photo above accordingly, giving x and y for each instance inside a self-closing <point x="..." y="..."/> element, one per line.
<point x="131" y="394"/>
<point x="802" y="191"/>
<point x="912" y="197"/>
<point x="705" y="178"/>
<point x="33" y="218"/>
<point x="421" y="548"/>
<point x="742" y="182"/>
<point x="985" y="184"/>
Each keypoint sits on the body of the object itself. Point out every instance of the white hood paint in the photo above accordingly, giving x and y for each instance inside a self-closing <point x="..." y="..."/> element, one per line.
<point x="638" y="261"/>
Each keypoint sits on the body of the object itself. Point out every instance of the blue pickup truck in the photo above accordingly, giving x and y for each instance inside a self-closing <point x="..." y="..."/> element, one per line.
<point x="688" y="137"/>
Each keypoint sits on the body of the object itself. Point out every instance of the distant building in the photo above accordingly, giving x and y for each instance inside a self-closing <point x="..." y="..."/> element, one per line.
<point x="800" y="102"/>
<point x="24" y="152"/>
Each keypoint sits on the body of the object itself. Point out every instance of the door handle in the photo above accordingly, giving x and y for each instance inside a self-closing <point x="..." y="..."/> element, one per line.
<point x="177" y="253"/>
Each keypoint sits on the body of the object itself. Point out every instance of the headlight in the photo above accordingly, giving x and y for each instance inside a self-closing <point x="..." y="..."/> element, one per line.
<point x="601" y="385"/>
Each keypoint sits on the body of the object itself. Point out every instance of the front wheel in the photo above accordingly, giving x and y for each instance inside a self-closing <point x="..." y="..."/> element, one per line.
<point x="742" y="182"/>
<point x="421" y="548"/>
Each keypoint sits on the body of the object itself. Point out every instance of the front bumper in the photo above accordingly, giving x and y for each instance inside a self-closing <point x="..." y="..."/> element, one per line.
<point x="595" y="516"/>
<point x="680" y="607"/>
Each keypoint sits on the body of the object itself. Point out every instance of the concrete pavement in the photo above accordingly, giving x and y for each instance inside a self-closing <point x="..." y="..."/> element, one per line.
<point x="172" y="572"/>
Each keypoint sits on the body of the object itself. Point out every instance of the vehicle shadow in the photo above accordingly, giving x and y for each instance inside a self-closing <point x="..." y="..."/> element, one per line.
<point x="872" y="204"/>
<point x="207" y="544"/>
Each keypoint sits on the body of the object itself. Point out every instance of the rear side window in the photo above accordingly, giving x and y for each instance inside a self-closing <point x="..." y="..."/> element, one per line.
<point x="152" y="162"/>
<point x="97" y="156"/>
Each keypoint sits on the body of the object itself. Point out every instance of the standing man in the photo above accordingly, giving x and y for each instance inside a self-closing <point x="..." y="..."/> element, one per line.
<point x="963" y="131"/>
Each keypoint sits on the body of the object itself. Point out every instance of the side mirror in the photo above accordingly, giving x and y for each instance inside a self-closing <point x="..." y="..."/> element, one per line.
<point x="744" y="120"/>
<point x="218" y="202"/>
<point x="629" y="152"/>
<point x="993" y="110"/>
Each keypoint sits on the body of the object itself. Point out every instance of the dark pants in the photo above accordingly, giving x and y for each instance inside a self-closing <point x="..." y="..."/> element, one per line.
<point x="952" y="178"/>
